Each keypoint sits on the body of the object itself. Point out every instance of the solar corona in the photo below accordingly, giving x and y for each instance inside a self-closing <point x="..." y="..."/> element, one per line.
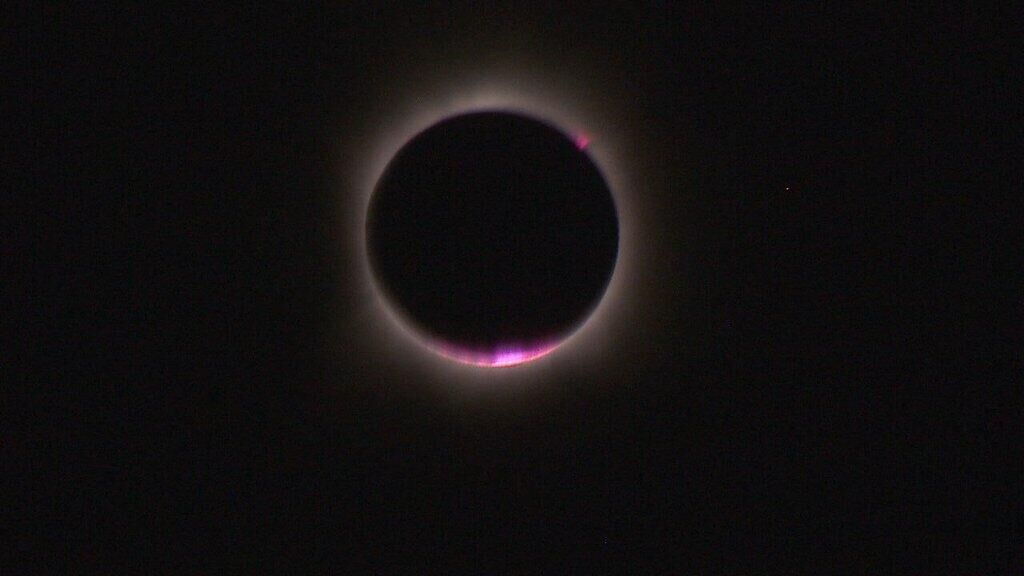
<point x="584" y="141"/>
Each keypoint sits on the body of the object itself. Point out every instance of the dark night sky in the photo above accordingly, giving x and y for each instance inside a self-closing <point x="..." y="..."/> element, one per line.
<point x="744" y="433"/>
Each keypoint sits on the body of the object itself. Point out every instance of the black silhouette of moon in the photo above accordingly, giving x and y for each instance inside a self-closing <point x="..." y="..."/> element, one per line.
<point x="494" y="235"/>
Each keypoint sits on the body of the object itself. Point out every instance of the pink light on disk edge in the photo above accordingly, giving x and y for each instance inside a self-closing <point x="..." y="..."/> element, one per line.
<point x="500" y="356"/>
<point x="581" y="140"/>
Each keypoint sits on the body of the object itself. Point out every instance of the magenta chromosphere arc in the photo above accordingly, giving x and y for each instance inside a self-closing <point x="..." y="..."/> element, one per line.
<point x="493" y="235"/>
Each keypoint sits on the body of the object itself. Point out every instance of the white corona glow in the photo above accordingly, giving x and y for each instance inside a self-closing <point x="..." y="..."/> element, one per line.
<point x="395" y="340"/>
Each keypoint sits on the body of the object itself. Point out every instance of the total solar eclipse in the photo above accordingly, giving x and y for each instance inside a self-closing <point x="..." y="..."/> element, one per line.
<point x="493" y="235"/>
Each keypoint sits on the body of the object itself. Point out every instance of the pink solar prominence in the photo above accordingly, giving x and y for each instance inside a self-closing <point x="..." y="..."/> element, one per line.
<point x="582" y="141"/>
<point x="500" y="356"/>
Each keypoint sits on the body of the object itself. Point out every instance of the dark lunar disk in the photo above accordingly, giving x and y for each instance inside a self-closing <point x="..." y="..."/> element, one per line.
<point x="492" y="231"/>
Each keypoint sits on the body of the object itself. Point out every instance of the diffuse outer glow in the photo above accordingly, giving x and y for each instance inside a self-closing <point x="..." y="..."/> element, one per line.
<point x="385" y="334"/>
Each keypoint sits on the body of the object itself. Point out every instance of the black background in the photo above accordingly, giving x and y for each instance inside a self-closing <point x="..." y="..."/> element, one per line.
<point x="755" y="437"/>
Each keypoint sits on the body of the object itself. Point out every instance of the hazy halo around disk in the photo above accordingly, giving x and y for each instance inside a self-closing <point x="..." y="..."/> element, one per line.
<point x="379" y="332"/>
